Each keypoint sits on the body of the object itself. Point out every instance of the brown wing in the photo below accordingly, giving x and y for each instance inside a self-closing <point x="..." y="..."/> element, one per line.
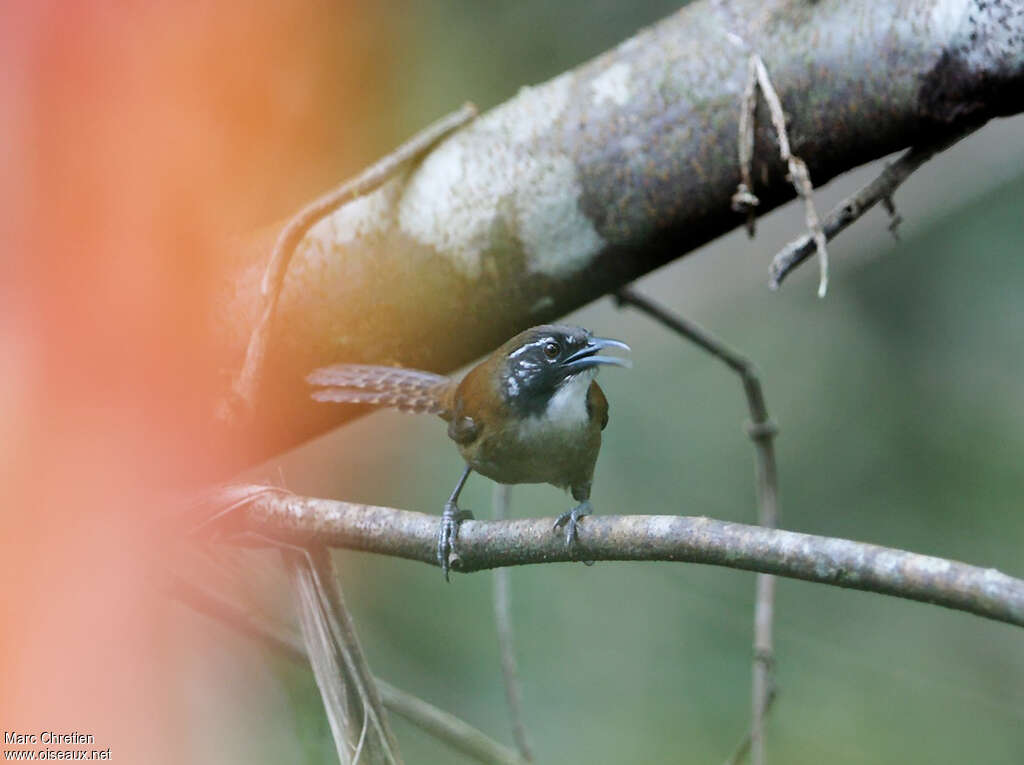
<point x="597" y="404"/>
<point x="473" y="403"/>
<point x="463" y="430"/>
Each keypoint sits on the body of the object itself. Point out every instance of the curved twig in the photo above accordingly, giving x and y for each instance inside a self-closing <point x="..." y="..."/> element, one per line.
<point x="247" y="383"/>
<point x="762" y="431"/>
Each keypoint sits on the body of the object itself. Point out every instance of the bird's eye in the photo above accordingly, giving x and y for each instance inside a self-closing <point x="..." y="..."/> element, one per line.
<point x="552" y="349"/>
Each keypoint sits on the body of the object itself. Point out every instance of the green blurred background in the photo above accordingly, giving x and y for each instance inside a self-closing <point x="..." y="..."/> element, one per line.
<point x="902" y="423"/>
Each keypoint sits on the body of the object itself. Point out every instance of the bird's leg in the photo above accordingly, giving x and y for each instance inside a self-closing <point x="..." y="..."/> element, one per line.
<point x="571" y="518"/>
<point x="450" y="520"/>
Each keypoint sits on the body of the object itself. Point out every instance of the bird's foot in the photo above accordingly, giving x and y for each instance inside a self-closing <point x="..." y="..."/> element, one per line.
<point x="450" y="520"/>
<point x="571" y="520"/>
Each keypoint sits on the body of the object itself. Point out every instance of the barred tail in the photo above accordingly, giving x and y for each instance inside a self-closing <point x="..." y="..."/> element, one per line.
<point x="407" y="390"/>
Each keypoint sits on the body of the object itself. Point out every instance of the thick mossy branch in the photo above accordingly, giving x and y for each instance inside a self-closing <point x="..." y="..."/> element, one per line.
<point x="577" y="186"/>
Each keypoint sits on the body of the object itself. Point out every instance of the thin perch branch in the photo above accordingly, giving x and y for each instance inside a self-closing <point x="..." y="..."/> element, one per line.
<point x="762" y="432"/>
<point x="850" y="209"/>
<point x="457" y="733"/>
<point x="492" y="544"/>
<point x="506" y="638"/>
<point x="247" y="383"/>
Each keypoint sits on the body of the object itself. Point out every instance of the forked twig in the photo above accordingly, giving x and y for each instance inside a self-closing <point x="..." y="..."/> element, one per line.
<point x="798" y="173"/>
<point x="506" y="637"/>
<point x="761" y="430"/>
<point x="853" y="207"/>
<point x="246" y="385"/>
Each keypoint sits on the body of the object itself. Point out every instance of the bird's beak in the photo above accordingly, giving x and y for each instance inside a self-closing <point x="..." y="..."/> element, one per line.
<point x="587" y="357"/>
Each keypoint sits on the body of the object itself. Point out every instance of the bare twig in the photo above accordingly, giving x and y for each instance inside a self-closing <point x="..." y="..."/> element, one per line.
<point x="506" y="638"/>
<point x="744" y="200"/>
<point x="895" y="219"/>
<point x="763" y="688"/>
<point x="247" y="383"/>
<point x="459" y="735"/>
<point x="351" y="699"/>
<point x="798" y="173"/>
<point x="850" y="209"/>
<point x="492" y="544"/>
<point x="743" y="749"/>
<point x="444" y="726"/>
<point x="762" y="431"/>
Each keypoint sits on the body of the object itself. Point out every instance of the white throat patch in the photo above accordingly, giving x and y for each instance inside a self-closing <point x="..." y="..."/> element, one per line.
<point x="568" y="407"/>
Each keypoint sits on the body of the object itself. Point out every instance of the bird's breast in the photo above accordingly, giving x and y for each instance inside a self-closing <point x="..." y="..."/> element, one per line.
<point x="557" y="445"/>
<point x="565" y="414"/>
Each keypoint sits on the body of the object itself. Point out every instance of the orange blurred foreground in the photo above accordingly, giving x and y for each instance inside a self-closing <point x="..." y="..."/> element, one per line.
<point x="137" y="137"/>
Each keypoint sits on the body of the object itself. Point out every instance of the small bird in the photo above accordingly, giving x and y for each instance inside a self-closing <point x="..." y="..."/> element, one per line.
<point x="531" y="412"/>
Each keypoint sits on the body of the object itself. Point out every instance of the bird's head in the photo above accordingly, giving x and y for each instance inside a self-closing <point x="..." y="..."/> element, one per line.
<point x="541" y="360"/>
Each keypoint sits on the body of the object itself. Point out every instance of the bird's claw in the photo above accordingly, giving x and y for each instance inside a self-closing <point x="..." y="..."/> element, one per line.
<point x="571" y="520"/>
<point x="450" y="520"/>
